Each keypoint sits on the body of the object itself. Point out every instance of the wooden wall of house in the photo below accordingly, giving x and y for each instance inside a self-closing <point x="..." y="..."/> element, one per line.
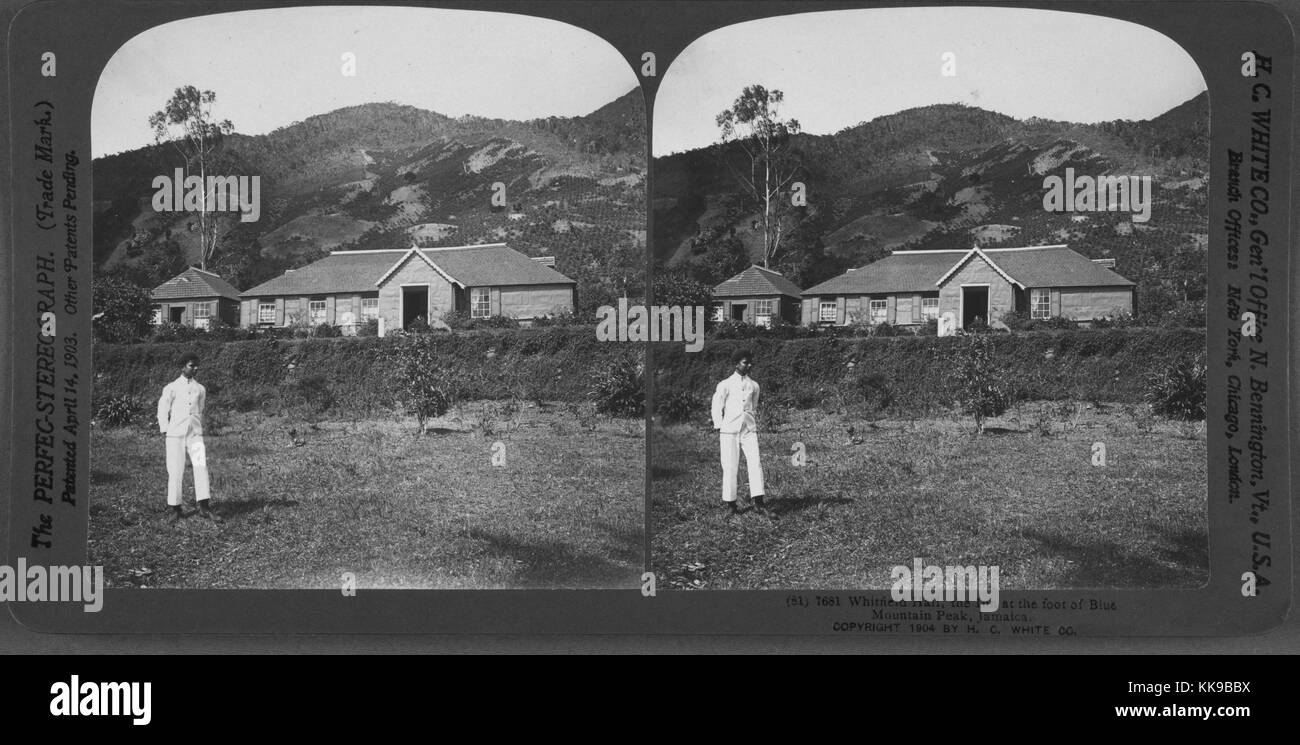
<point x="1085" y="303"/>
<point x="786" y="307"/>
<point x="225" y="309"/>
<point x="531" y="301"/>
<point x="442" y="294"/>
<point x="1002" y="296"/>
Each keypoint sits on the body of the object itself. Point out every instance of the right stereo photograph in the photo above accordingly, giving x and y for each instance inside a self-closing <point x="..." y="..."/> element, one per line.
<point x="955" y="261"/>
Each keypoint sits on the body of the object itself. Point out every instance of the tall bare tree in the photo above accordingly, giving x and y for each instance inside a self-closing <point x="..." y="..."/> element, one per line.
<point x="187" y="122"/>
<point x="754" y="144"/>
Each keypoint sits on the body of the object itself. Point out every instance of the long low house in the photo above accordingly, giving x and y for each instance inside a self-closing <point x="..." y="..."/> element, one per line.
<point x="908" y="288"/>
<point x="196" y="298"/>
<point x="398" y="286"/>
<point x="758" y="296"/>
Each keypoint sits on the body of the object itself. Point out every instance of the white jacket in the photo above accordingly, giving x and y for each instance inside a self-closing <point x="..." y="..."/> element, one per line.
<point x="735" y="405"/>
<point x="180" y="410"/>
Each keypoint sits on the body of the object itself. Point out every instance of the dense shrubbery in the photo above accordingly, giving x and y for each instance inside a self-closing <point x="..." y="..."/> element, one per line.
<point x="369" y="327"/>
<point x="1087" y="364"/>
<point x="618" y="386"/>
<point x="1020" y="321"/>
<point x="1176" y="389"/>
<point x="675" y="406"/>
<point x="120" y="411"/>
<point x="426" y="386"/>
<point x="123" y="311"/>
<point x="980" y="381"/>
<point x="459" y="320"/>
<point x="551" y="364"/>
<point x="900" y="375"/>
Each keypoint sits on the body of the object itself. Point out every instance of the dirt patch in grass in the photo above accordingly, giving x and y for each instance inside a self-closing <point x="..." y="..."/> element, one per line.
<point x="306" y="502"/>
<point x="1024" y="496"/>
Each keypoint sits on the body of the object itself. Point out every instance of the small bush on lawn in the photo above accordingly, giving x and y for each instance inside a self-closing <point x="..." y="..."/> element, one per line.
<point x="978" y="380"/>
<point x="425" y="386"/>
<point x="676" y="406"/>
<point x="618" y="387"/>
<point x="120" y="411"/>
<point x="1176" y="390"/>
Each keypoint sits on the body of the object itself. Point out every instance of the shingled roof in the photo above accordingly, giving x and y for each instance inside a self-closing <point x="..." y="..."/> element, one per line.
<point x="901" y="271"/>
<point x="1053" y="266"/>
<point x="344" y="272"/>
<point x="922" y="271"/>
<point x="756" y="281"/>
<point x="194" y="283"/>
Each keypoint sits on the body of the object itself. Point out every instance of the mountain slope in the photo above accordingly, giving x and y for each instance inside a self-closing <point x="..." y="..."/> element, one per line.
<point x="385" y="175"/>
<point x="948" y="176"/>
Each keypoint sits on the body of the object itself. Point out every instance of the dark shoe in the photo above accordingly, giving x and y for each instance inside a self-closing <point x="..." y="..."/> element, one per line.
<point x="732" y="509"/>
<point x="176" y="515"/>
<point x="208" y="513"/>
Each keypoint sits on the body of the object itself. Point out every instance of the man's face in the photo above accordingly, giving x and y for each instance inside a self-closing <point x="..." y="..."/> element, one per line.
<point x="743" y="367"/>
<point x="190" y="368"/>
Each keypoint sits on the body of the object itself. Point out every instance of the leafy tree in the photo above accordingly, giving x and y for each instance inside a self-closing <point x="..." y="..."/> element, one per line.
<point x="981" y="391"/>
<point x="676" y="288"/>
<point x="724" y="259"/>
<point x="186" y="121"/>
<point x="754" y="146"/>
<point x="123" y="311"/>
<point x="426" y="386"/>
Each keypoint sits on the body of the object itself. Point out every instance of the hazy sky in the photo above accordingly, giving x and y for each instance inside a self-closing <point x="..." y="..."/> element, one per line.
<point x="270" y="68"/>
<point x="839" y="68"/>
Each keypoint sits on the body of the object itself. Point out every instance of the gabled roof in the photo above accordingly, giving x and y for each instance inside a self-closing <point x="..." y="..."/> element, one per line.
<point x="493" y="264"/>
<point x="756" y="281"/>
<point x="195" y="283"/>
<point x="901" y="271"/>
<point x="925" y="271"/>
<point x="1055" y="266"/>
<point x="974" y="252"/>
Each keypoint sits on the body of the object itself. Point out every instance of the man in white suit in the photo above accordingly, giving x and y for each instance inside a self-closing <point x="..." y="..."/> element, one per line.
<point x="180" y="418"/>
<point x="735" y="412"/>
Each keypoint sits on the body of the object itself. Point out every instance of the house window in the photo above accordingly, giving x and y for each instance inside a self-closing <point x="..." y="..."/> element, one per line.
<point x="316" y="312"/>
<point x="826" y="311"/>
<point x="266" y="312"/>
<point x="719" y="312"/>
<point x="480" y="305"/>
<point x="929" y="307"/>
<point x="763" y="313"/>
<point x="1040" y="303"/>
<point x="877" y="312"/>
<point x="369" y="308"/>
<point x="202" y="315"/>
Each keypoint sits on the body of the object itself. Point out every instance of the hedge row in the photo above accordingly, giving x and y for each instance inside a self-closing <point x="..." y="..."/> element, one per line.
<point x="914" y="373"/>
<point x="353" y="374"/>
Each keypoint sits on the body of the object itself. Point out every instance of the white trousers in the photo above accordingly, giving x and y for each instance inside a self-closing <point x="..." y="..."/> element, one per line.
<point x="732" y="444"/>
<point x="177" y="447"/>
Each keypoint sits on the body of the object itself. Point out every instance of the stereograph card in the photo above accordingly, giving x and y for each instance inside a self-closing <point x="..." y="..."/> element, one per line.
<point x="854" y="320"/>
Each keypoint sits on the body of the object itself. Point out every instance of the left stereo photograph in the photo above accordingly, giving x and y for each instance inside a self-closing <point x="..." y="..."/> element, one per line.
<point x="347" y="266"/>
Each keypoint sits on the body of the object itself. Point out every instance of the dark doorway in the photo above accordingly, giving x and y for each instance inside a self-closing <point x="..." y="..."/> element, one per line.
<point x="415" y="304"/>
<point x="974" y="304"/>
<point x="738" y="311"/>
<point x="177" y="313"/>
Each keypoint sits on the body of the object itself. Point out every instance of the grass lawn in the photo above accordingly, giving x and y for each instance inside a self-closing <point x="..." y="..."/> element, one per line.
<point x="1024" y="496"/>
<point x="397" y="509"/>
